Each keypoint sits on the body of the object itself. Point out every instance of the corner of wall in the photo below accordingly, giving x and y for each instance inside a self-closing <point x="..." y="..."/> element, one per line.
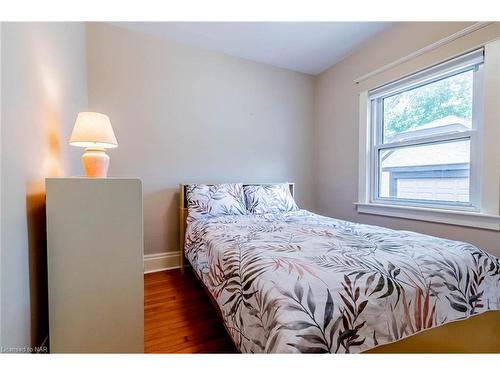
<point x="315" y="156"/>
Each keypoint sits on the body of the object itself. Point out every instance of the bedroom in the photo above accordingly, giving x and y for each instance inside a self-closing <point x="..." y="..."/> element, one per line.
<point x="356" y="186"/>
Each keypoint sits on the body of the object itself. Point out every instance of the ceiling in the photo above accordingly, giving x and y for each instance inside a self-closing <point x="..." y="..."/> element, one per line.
<point x="307" y="47"/>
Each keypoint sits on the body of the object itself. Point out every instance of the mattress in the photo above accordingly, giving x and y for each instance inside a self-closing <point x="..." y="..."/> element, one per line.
<point x="300" y="282"/>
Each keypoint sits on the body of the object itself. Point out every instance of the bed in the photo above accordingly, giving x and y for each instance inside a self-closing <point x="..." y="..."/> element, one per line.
<point x="298" y="282"/>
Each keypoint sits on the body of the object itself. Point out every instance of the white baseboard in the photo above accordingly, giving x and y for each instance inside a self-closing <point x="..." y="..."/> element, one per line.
<point x="161" y="261"/>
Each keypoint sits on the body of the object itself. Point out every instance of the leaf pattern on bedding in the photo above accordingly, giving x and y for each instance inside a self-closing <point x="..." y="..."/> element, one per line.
<point x="270" y="198"/>
<point x="300" y="282"/>
<point x="214" y="200"/>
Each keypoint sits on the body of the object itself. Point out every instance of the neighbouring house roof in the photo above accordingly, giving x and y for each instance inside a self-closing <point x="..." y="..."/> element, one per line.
<point x="437" y="154"/>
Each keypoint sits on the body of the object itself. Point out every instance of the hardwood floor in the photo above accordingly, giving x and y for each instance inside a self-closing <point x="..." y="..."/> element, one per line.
<point x="179" y="317"/>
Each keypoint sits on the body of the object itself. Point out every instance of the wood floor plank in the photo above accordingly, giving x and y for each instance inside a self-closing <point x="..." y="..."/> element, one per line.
<point x="179" y="317"/>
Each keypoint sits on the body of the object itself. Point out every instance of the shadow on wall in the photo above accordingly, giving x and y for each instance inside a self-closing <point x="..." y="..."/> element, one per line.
<point x="37" y="250"/>
<point x="161" y="206"/>
<point x="37" y="232"/>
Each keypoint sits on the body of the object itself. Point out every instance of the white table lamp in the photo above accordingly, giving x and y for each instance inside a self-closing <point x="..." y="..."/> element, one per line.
<point x="94" y="132"/>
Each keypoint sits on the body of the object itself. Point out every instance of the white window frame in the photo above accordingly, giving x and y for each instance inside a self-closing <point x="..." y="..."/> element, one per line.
<point x="471" y="61"/>
<point x="483" y="209"/>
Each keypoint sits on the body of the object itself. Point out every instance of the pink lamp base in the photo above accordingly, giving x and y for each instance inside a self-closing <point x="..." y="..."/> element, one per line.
<point x="95" y="162"/>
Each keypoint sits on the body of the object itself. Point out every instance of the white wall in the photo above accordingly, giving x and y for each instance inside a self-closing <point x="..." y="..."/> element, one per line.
<point x="336" y="126"/>
<point x="43" y="88"/>
<point x="183" y="114"/>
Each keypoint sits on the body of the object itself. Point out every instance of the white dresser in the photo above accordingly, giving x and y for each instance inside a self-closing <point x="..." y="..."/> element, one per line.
<point x="95" y="265"/>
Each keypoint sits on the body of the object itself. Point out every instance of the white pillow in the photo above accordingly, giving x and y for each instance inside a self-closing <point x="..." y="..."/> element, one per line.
<point x="271" y="198"/>
<point x="214" y="200"/>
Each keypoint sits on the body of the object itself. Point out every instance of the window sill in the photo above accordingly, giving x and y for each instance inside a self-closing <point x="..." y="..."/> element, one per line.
<point x="462" y="218"/>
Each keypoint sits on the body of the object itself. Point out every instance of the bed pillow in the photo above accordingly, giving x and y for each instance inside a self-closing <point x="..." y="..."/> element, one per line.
<point x="272" y="198"/>
<point x="214" y="200"/>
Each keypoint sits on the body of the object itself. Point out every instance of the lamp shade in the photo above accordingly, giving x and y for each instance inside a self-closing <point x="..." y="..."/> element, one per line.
<point x="93" y="129"/>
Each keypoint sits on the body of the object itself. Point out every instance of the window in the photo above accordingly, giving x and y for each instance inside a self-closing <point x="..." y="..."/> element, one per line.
<point x="424" y="130"/>
<point x="428" y="143"/>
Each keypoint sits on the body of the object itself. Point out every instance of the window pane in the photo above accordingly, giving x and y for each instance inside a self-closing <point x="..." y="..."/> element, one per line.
<point x="432" y="172"/>
<point x="440" y="107"/>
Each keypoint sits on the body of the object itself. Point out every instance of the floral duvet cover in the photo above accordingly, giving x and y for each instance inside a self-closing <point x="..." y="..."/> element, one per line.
<point x="300" y="282"/>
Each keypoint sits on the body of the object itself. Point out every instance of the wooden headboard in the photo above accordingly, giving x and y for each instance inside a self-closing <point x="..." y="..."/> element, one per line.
<point x="183" y="212"/>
